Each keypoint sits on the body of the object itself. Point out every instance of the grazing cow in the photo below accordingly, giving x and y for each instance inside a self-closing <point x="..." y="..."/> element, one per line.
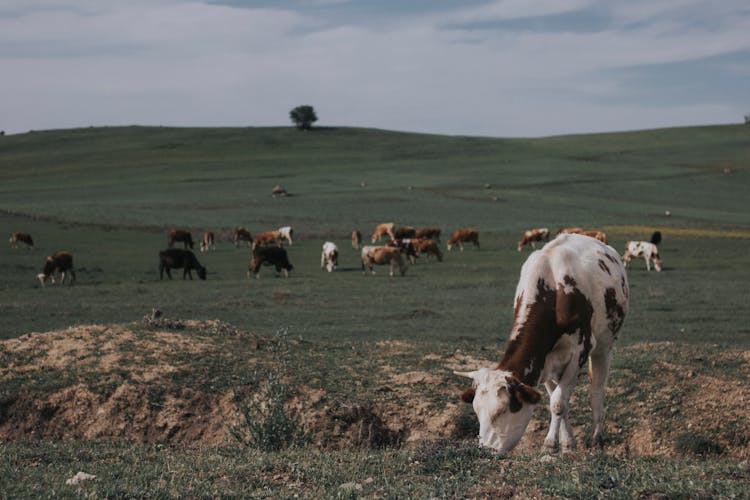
<point x="381" y="229"/>
<point x="241" y="234"/>
<point x="461" y="236"/>
<point x="183" y="237"/>
<point x="432" y="233"/>
<point x="405" y="232"/>
<point x="269" y="256"/>
<point x="570" y="230"/>
<point x="381" y="256"/>
<point x="208" y="242"/>
<point x="356" y="239"/>
<point x="287" y="232"/>
<point x="570" y="303"/>
<point x="406" y="247"/>
<point x="329" y="258"/>
<point x="267" y="238"/>
<point x="278" y="190"/>
<point x="17" y="236"/>
<point x="531" y="236"/>
<point x="596" y="234"/>
<point x="644" y="249"/>
<point x="59" y="262"/>
<point x="428" y="247"/>
<point x="177" y="258"/>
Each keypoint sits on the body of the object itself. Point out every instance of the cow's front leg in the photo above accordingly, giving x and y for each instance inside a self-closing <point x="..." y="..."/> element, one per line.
<point x="560" y="430"/>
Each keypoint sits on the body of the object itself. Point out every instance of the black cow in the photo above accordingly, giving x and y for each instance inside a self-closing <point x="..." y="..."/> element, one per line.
<point x="176" y="258"/>
<point x="269" y="256"/>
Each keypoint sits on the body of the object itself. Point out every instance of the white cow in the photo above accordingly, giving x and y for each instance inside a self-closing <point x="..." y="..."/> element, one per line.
<point x="286" y="232"/>
<point x="329" y="258"/>
<point x="570" y="303"/>
<point x="648" y="251"/>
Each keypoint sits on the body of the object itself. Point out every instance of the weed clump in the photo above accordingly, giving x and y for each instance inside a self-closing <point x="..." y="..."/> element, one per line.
<point x="439" y="455"/>
<point x="362" y="426"/>
<point x="466" y="424"/>
<point x="697" y="444"/>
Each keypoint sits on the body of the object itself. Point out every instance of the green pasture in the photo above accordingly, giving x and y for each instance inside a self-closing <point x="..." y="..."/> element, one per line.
<point x="109" y="194"/>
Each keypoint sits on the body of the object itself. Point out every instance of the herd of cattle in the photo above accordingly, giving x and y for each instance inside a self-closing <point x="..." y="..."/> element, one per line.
<point x="402" y="246"/>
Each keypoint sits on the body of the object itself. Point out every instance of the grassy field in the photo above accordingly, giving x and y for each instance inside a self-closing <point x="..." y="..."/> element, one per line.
<point x="383" y="346"/>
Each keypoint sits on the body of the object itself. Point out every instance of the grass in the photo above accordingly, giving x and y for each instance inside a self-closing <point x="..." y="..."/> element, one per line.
<point x="108" y="194"/>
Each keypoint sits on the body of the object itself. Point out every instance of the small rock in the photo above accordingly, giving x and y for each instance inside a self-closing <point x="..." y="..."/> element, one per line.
<point x="547" y="458"/>
<point x="351" y="486"/>
<point x="80" y="476"/>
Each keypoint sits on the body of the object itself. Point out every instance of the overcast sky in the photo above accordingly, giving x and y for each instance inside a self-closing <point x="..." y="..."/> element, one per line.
<point x="469" y="67"/>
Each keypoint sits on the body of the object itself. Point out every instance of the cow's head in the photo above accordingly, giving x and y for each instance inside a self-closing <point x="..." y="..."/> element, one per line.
<point x="503" y="405"/>
<point x="201" y="272"/>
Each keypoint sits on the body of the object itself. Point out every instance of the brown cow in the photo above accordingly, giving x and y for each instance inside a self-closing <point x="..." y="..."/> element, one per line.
<point x="405" y="232"/>
<point x="533" y="235"/>
<point x="267" y="238"/>
<point x="208" y="242"/>
<point x="241" y="234"/>
<point x="183" y="237"/>
<point x="23" y="238"/>
<point x="461" y="236"/>
<point x="381" y="229"/>
<point x="356" y="239"/>
<point x="59" y="262"/>
<point x="432" y="233"/>
<point x="381" y="256"/>
<point x="596" y="234"/>
<point x="269" y="256"/>
<point x="429" y="247"/>
<point x="570" y="230"/>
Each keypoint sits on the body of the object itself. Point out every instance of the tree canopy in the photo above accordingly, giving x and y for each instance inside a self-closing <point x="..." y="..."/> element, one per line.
<point x="303" y="117"/>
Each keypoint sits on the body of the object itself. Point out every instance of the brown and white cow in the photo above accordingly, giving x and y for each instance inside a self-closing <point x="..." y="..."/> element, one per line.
<point x="570" y="303"/>
<point x="461" y="236"/>
<point x="530" y="236"/>
<point x="329" y="258"/>
<point x="405" y="232"/>
<point x="406" y="247"/>
<point x="178" y="235"/>
<point x="267" y="238"/>
<point x="432" y="233"/>
<point x="570" y="230"/>
<point x="241" y="234"/>
<point x="356" y="239"/>
<point x="596" y="234"/>
<point x="25" y="238"/>
<point x="286" y="232"/>
<point x="427" y="247"/>
<point x="178" y="258"/>
<point x="382" y="256"/>
<point x="648" y="251"/>
<point x="381" y="230"/>
<point x="208" y="242"/>
<point x="269" y="256"/>
<point x="59" y="262"/>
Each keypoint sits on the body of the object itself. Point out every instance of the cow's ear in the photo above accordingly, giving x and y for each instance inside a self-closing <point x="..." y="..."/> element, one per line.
<point x="468" y="395"/>
<point x="520" y="392"/>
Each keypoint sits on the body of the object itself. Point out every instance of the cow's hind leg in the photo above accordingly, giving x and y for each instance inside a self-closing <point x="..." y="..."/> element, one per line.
<point x="598" y="371"/>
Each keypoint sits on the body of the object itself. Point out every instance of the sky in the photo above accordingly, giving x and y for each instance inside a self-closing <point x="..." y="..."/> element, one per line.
<point x="500" y="68"/>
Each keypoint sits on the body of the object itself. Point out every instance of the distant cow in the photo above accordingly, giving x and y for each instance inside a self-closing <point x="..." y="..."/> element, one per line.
<point x="241" y="234"/>
<point x="329" y="258"/>
<point x="596" y="234"/>
<point x="427" y="247"/>
<point x="432" y="233"/>
<point x="383" y="229"/>
<point x="59" y="262"/>
<point x="269" y="256"/>
<point x="177" y="258"/>
<point x="287" y="232"/>
<point x="405" y="232"/>
<point x="208" y="242"/>
<point x="17" y="236"/>
<point x="531" y="236"/>
<point x="644" y="249"/>
<point x="356" y="239"/>
<point x="178" y="235"/>
<point x="570" y="303"/>
<point x="406" y="247"/>
<point x="461" y="236"/>
<point x="278" y="190"/>
<point x="382" y="256"/>
<point x="267" y="238"/>
<point x="570" y="230"/>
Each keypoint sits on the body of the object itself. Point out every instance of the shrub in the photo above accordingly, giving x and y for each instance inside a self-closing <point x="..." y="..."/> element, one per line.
<point x="697" y="444"/>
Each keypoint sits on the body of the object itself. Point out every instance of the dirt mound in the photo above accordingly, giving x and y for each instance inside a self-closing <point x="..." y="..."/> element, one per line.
<point x="147" y="384"/>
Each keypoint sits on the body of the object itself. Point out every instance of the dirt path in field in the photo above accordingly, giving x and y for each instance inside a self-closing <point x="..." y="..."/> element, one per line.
<point x="190" y="383"/>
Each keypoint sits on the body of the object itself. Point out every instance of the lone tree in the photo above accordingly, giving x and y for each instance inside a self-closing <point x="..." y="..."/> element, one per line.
<point x="303" y="117"/>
